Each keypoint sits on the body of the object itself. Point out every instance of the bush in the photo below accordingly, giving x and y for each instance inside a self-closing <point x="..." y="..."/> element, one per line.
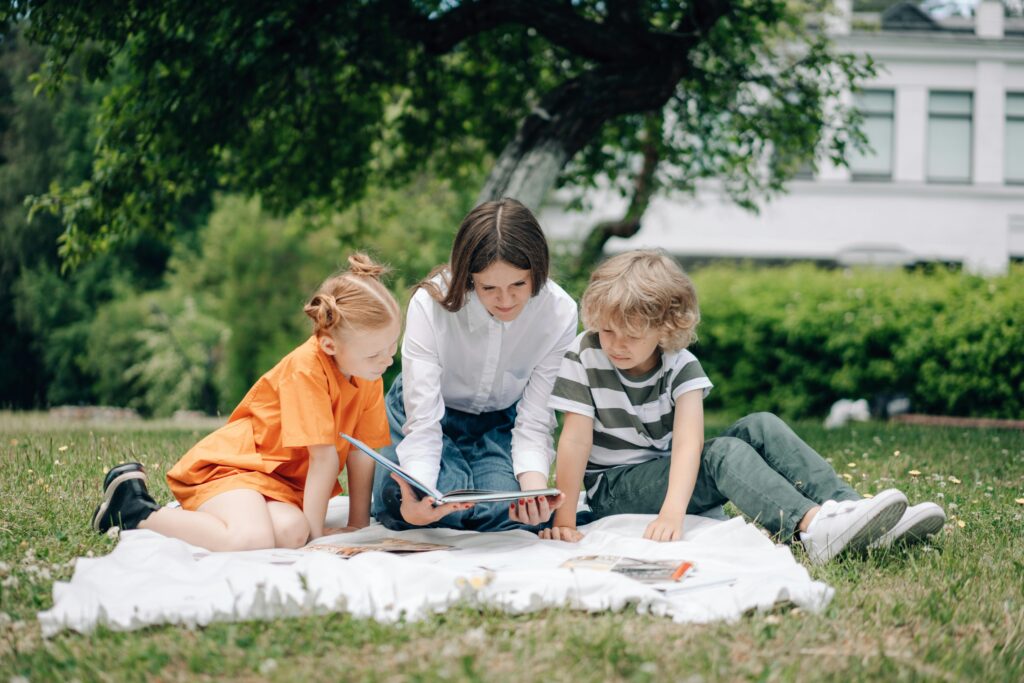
<point x="793" y="340"/>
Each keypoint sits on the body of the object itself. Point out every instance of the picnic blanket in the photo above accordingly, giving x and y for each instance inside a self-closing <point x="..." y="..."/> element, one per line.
<point x="149" y="579"/>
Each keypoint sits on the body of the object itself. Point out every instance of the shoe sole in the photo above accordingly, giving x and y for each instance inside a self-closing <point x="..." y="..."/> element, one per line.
<point x="108" y="495"/>
<point x="928" y="526"/>
<point x="873" y="525"/>
<point x="919" y="531"/>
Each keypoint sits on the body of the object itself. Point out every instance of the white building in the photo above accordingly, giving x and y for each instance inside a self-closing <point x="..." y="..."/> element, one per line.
<point x="945" y="119"/>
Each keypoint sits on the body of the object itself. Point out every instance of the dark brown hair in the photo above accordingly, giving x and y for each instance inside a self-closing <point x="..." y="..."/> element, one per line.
<point x="353" y="299"/>
<point x="503" y="230"/>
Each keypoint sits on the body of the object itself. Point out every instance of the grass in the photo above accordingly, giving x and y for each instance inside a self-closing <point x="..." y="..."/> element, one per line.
<point x="949" y="611"/>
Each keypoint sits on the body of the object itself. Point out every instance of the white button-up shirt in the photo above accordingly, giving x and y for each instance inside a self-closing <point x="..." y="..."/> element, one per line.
<point x="474" y="363"/>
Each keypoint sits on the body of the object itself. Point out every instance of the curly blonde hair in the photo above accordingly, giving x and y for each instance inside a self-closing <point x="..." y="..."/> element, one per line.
<point x="354" y="299"/>
<point x="642" y="290"/>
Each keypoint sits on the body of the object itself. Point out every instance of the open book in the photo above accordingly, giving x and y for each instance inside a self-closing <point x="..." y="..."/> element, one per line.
<point x="461" y="496"/>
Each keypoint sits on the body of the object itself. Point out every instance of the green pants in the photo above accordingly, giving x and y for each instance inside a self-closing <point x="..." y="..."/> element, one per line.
<point x="758" y="463"/>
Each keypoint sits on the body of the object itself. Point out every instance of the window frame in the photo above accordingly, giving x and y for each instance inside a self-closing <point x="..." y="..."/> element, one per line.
<point x="890" y="115"/>
<point x="969" y="117"/>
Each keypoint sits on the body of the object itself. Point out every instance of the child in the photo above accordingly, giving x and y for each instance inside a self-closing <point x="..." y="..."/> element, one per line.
<point x="263" y="479"/>
<point x="484" y="336"/>
<point x="634" y="430"/>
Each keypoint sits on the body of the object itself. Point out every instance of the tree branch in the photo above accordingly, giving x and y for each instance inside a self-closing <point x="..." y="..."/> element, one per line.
<point x="622" y="38"/>
<point x="644" y="188"/>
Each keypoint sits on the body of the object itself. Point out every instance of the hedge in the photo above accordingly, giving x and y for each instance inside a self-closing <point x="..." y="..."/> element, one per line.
<point x="795" y="339"/>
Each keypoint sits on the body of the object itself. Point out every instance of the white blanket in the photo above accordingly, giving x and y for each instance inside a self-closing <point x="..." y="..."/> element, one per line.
<point x="149" y="579"/>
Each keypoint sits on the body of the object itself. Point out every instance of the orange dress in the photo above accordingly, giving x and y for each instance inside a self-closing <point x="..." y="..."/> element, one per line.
<point x="303" y="401"/>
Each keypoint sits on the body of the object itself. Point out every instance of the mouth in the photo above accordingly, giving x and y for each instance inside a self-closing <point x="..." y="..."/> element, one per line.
<point x="618" y="359"/>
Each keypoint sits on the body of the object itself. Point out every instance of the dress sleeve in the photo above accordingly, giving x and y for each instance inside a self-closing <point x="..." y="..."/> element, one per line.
<point x="532" y="442"/>
<point x="420" y="449"/>
<point x="372" y="427"/>
<point x="306" y="416"/>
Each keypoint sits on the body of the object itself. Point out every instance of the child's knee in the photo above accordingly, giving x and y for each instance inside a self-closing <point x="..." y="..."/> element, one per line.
<point x="761" y="422"/>
<point x="292" y="532"/>
<point x="251" y="538"/>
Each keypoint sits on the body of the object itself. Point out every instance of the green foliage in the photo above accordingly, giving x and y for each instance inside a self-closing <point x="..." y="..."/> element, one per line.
<point x="156" y="353"/>
<point x="230" y="305"/>
<point x="297" y="105"/>
<point x="42" y="140"/>
<point x="793" y="340"/>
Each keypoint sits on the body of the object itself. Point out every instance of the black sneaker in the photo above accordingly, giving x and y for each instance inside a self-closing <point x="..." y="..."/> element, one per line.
<point x="126" y="501"/>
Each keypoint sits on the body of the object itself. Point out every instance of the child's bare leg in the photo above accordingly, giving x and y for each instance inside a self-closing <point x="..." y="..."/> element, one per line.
<point x="805" y="521"/>
<point x="291" y="530"/>
<point x="233" y="520"/>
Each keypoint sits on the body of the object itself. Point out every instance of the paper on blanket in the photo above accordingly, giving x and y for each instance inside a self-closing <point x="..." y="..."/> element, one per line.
<point x="149" y="579"/>
<point x="460" y="496"/>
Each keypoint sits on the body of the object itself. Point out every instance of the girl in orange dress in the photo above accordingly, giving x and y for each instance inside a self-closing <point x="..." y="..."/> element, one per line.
<point x="263" y="480"/>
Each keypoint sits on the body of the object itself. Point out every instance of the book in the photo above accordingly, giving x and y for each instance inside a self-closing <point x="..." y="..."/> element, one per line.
<point x="384" y="545"/>
<point x="459" y="496"/>
<point x="644" y="571"/>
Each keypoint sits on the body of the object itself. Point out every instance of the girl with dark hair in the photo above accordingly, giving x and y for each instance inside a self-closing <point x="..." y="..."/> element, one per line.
<point x="484" y="337"/>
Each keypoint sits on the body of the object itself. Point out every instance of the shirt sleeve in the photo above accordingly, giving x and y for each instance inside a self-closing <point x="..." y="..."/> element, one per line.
<point x="372" y="427"/>
<point x="571" y="393"/>
<point x="532" y="442"/>
<point x="306" y="416"/>
<point x="420" y="450"/>
<point x="690" y="377"/>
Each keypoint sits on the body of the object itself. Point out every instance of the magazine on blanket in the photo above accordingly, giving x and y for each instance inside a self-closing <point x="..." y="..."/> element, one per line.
<point x="384" y="545"/>
<point x="644" y="571"/>
<point x="460" y="496"/>
<point x="671" y="577"/>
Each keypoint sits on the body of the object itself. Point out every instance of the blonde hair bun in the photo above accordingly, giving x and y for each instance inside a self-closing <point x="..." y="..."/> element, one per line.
<point x="363" y="266"/>
<point x="353" y="299"/>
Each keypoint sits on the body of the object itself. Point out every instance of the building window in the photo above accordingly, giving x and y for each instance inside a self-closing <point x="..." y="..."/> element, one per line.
<point x="949" y="137"/>
<point x="1014" y="138"/>
<point x="875" y="163"/>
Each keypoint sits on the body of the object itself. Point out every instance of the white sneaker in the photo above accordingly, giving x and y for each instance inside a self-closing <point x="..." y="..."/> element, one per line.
<point x="918" y="522"/>
<point x="851" y="525"/>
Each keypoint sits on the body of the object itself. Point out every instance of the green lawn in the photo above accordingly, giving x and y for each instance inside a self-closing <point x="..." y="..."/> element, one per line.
<point x="950" y="611"/>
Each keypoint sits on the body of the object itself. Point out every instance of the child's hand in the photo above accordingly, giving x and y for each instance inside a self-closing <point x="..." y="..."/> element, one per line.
<point x="535" y="511"/>
<point x="569" y="534"/>
<point x="422" y="512"/>
<point x="665" y="528"/>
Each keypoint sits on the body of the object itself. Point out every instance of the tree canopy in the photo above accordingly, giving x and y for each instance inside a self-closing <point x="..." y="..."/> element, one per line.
<point x="307" y="103"/>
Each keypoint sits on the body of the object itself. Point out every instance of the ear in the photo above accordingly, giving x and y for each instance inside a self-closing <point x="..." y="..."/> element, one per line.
<point x="328" y="345"/>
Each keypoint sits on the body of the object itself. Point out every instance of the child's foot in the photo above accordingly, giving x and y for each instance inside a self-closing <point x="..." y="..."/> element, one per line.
<point x="851" y="525"/>
<point x="917" y="523"/>
<point x="126" y="501"/>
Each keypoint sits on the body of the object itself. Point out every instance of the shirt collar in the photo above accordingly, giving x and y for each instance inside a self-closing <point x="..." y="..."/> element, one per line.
<point x="478" y="315"/>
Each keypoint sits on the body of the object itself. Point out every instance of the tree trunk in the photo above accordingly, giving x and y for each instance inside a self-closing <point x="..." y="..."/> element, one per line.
<point x="525" y="173"/>
<point x="567" y="119"/>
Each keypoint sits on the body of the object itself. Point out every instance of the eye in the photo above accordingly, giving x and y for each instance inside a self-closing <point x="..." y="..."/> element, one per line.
<point x="521" y="283"/>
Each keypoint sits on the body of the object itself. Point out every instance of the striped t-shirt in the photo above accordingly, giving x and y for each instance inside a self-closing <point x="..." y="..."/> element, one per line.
<point x="633" y="416"/>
